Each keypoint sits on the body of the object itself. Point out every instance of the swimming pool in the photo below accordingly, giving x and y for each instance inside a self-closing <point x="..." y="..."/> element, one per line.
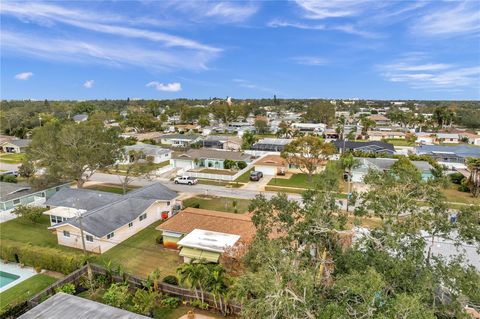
<point x="6" y="278"/>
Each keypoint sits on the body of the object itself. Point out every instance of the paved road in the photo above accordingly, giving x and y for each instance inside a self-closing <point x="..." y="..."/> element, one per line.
<point x="8" y="167"/>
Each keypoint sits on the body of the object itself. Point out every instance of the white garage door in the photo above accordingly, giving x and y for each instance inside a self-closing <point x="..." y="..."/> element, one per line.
<point x="266" y="170"/>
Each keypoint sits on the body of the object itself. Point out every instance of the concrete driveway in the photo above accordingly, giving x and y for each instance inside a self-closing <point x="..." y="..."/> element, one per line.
<point x="258" y="186"/>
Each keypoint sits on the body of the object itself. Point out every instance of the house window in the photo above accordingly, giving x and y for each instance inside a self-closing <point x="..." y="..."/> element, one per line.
<point x="130" y="224"/>
<point x="57" y="219"/>
<point x="66" y="233"/>
<point x="89" y="238"/>
<point x="16" y="201"/>
<point x="168" y="203"/>
<point x="143" y="216"/>
<point x="110" y="235"/>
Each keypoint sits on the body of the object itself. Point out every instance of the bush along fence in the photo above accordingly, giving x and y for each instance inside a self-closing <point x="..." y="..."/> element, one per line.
<point x="192" y="296"/>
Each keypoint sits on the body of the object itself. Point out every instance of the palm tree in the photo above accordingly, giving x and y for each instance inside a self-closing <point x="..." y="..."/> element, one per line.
<point x="367" y="124"/>
<point x="155" y="277"/>
<point x="194" y="276"/>
<point x="217" y="284"/>
<point x="341" y="127"/>
<point x="474" y="178"/>
<point x="348" y="163"/>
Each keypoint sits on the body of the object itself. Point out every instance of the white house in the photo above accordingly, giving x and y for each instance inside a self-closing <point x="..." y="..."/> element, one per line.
<point x="180" y="140"/>
<point x="156" y="153"/>
<point x="317" y="128"/>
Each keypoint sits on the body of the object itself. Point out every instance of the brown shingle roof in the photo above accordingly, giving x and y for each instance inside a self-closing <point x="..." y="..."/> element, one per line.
<point x="272" y="160"/>
<point x="195" y="218"/>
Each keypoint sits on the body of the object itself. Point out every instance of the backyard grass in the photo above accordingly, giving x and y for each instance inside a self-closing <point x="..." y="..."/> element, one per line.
<point x="140" y="254"/>
<point x="454" y="195"/>
<point x="222" y="204"/>
<point x="245" y="177"/>
<point x="110" y="188"/>
<point x="25" y="290"/>
<point x="12" y="158"/>
<point x="400" y="142"/>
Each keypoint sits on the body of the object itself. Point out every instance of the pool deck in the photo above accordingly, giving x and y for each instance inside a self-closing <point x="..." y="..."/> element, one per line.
<point x="12" y="268"/>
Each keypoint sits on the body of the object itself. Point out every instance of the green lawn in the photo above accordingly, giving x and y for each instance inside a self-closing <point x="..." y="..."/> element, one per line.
<point x="222" y="204"/>
<point x="140" y="254"/>
<point x="245" y="177"/>
<point x="400" y="142"/>
<point x="296" y="180"/>
<point x="219" y="183"/>
<point x="217" y="171"/>
<point x="454" y="195"/>
<point x="25" y="290"/>
<point x="13" y="158"/>
<point x="110" y="188"/>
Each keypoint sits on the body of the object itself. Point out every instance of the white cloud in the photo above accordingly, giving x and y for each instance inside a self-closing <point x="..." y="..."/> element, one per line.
<point x="231" y="11"/>
<point x="215" y="12"/>
<point x="166" y="87"/>
<point x="23" y="76"/>
<point x="419" y="74"/>
<point x="88" y="84"/>
<point x="297" y="25"/>
<point x="310" y="60"/>
<point x="315" y="9"/>
<point x="463" y="18"/>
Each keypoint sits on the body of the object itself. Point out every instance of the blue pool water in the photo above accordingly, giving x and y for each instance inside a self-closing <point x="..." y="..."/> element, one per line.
<point x="6" y="278"/>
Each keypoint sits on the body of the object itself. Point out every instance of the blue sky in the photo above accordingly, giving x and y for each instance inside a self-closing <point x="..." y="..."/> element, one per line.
<point x="200" y="49"/>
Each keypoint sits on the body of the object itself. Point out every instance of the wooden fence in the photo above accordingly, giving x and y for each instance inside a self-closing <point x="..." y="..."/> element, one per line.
<point x="133" y="282"/>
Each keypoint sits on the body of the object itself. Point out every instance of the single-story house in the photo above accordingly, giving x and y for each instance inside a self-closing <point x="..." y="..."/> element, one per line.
<point x="206" y="224"/>
<point x="271" y="165"/>
<point x="385" y="135"/>
<point x="317" y="128"/>
<point x="62" y="305"/>
<point x="180" y="140"/>
<point x="448" y="138"/>
<point x="108" y="225"/>
<point x="380" y="120"/>
<point x="80" y="118"/>
<point x="384" y="164"/>
<point x="222" y="142"/>
<point x="426" y="138"/>
<point x="15" y="146"/>
<point x="450" y="156"/>
<point x="472" y="138"/>
<point x="207" y="158"/>
<point x="15" y="194"/>
<point x="376" y="147"/>
<point x="156" y="153"/>
<point x="240" y="127"/>
<point x="187" y="128"/>
<point x="271" y="144"/>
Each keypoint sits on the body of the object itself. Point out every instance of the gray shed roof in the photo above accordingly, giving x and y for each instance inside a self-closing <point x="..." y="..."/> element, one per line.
<point x="119" y="211"/>
<point x="86" y="199"/>
<point x="62" y="305"/>
<point x="214" y="154"/>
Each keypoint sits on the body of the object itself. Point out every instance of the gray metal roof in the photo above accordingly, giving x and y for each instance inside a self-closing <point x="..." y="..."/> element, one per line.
<point x="86" y="199"/>
<point x="147" y="149"/>
<point x="62" y="306"/>
<point x="20" y="142"/>
<point x="120" y="210"/>
<point x="190" y="137"/>
<point x="386" y="163"/>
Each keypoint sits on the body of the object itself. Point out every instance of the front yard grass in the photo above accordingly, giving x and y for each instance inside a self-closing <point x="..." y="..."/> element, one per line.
<point x="302" y="181"/>
<point x="25" y="290"/>
<point x="219" y="183"/>
<point x="12" y="158"/>
<point x="140" y="254"/>
<point x="400" y="142"/>
<point x="245" y="177"/>
<point x="222" y="204"/>
<point x="217" y="171"/>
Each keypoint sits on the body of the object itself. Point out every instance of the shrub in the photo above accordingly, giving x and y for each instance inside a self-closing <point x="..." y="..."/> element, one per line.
<point x="159" y="239"/>
<point x="199" y="304"/>
<point x="241" y="164"/>
<point x="456" y="178"/>
<point x="170" y="302"/>
<point x="8" y="178"/>
<point x="117" y="296"/>
<point x="145" y="301"/>
<point x="171" y="280"/>
<point x="30" y="213"/>
<point x="67" y="288"/>
<point x="196" y="205"/>
<point x="41" y="257"/>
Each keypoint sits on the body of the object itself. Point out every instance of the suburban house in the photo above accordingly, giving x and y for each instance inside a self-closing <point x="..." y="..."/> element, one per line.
<point x="271" y="144"/>
<point x="380" y="120"/>
<point x="385" y="135"/>
<point x="384" y="164"/>
<point x="222" y="142"/>
<point x="185" y="128"/>
<point x="470" y="137"/>
<point x="448" y="138"/>
<point x="271" y="165"/>
<point x="14" y="194"/>
<point x="156" y="153"/>
<point x="120" y="218"/>
<point x="15" y="146"/>
<point x="80" y="118"/>
<point x="207" y="158"/>
<point x="452" y="157"/>
<point x="315" y="128"/>
<point x="180" y="140"/>
<point x="375" y="147"/>
<point x="62" y="305"/>
<point x="200" y="233"/>
<point x="425" y="138"/>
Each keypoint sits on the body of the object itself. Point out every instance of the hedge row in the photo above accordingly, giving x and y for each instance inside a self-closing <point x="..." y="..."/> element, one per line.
<point x="41" y="257"/>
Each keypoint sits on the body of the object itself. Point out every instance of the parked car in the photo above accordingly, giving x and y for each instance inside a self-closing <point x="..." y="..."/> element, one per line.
<point x="256" y="176"/>
<point x="185" y="180"/>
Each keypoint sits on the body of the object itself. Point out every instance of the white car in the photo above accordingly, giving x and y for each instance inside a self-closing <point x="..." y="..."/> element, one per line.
<point x="185" y="180"/>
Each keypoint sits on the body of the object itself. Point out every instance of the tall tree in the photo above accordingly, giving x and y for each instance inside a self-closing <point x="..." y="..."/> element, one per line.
<point x="74" y="151"/>
<point x="307" y="152"/>
<point x="248" y="139"/>
<point x="348" y="163"/>
<point x="320" y="112"/>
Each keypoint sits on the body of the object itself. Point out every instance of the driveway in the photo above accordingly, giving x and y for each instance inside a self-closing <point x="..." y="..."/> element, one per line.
<point x="260" y="185"/>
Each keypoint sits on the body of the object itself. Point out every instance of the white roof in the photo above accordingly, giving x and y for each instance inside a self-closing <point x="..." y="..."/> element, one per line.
<point x="447" y="135"/>
<point x="67" y="212"/>
<point x="208" y="240"/>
